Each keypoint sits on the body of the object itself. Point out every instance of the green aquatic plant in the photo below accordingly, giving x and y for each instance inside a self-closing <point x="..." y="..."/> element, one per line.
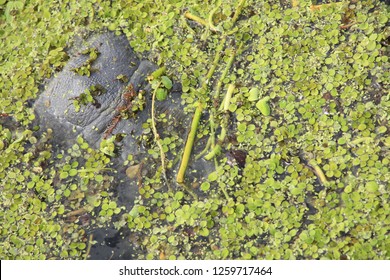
<point x="86" y="68"/>
<point x="313" y="183"/>
<point x="203" y="91"/>
<point x="88" y="97"/>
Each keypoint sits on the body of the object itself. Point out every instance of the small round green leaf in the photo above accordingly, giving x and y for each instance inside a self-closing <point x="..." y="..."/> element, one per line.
<point x="253" y="94"/>
<point x="213" y="176"/>
<point x="263" y="106"/>
<point x="166" y="82"/>
<point x="372" y="186"/>
<point x="161" y="94"/>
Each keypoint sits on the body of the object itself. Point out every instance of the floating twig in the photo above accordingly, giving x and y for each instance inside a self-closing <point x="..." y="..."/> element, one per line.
<point x="90" y="240"/>
<point x="346" y="26"/>
<point x="76" y="212"/>
<point x="157" y="136"/>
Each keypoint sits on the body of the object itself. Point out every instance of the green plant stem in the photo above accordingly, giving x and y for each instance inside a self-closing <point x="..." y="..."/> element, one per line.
<point x="197" y="116"/>
<point x="226" y="71"/>
<point x="212" y="129"/>
<point x="184" y="22"/>
<point x="203" y="90"/>
<point x="229" y="64"/>
<point x="189" y="190"/>
<point x="217" y="149"/>
<point x="189" y="143"/>
<point x="210" y="23"/>
<point x="196" y="19"/>
<point x="318" y="171"/>
<point x="215" y="63"/>
<point x="238" y="11"/>
<point x="214" y="152"/>
<point x="216" y="94"/>
<point x="156" y="74"/>
<point x="228" y="96"/>
<point x="198" y="156"/>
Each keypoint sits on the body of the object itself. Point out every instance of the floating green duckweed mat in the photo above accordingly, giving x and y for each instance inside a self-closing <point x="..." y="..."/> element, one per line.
<point x="291" y="106"/>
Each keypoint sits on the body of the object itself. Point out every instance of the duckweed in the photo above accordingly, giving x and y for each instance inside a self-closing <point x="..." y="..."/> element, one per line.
<point x="314" y="182"/>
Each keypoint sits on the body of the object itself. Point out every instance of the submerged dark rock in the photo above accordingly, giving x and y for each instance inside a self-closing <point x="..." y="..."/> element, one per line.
<point x="55" y="106"/>
<point x="115" y="68"/>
